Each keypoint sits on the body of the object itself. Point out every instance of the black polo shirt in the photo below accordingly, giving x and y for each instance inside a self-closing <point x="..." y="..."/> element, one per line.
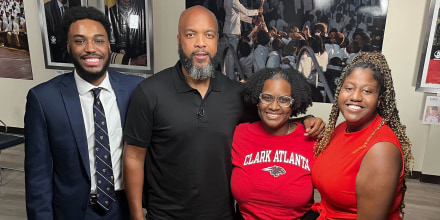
<point x="189" y="139"/>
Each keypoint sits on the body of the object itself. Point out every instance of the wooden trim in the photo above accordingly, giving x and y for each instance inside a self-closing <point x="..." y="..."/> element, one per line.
<point x="430" y="179"/>
<point x="425" y="177"/>
<point x="415" y="175"/>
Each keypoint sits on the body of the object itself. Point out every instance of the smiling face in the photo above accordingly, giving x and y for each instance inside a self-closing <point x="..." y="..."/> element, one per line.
<point x="359" y="98"/>
<point x="89" y="48"/>
<point x="273" y="116"/>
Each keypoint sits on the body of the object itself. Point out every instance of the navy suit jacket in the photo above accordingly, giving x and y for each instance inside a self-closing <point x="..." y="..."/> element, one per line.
<point x="57" y="169"/>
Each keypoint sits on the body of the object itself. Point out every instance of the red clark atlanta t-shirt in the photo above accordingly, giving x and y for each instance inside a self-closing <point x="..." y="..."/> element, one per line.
<point x="271" y="173"/>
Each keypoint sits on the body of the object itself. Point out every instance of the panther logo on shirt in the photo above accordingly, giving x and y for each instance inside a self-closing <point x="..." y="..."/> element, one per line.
<point x="275" y="170"/>
<point x="437" y="55"/>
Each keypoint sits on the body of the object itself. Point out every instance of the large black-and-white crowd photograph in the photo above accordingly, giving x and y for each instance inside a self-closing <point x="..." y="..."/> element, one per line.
<point x="292" y="33"/>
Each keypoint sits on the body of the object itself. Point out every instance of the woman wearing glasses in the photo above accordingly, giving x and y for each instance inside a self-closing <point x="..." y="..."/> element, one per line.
<point x="272" y="158"/>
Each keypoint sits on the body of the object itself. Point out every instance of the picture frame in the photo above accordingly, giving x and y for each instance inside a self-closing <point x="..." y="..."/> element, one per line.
<point x="368" y="17"/>
<point x="131" y="43"/>
<point x="431" y="114"/>
<point x="428" y="78"/>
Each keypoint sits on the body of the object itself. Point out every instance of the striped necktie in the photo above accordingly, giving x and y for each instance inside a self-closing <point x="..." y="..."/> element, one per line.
<point x="104" y="172"/>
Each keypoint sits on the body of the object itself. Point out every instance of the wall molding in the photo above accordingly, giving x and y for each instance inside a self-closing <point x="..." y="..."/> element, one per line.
<point x="426" y="178"/>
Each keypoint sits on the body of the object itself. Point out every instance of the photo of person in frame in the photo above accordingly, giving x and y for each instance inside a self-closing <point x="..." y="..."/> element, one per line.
<point x="128" y="31"/>
<point x="432" y="115"/>
<point x="54" y="11"/>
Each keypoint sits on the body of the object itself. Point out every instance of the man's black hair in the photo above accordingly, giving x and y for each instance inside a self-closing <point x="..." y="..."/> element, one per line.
<point x="263" y="37"/>
<point x="80" y="13"/>
<point x="278" y="44"/>
<point x="245" y="49"/>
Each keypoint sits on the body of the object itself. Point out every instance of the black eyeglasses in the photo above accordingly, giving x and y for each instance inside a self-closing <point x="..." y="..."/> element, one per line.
<point x="283" y="100"/>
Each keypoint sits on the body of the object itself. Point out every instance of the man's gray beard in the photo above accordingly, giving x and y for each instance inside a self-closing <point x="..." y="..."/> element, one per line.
<point x="198" y="73"/>
<point x="202" y="73"/>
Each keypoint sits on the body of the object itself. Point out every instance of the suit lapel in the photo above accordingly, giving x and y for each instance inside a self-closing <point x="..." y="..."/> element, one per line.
<point x="70" y="96"/>
<point x="121" y="95"/>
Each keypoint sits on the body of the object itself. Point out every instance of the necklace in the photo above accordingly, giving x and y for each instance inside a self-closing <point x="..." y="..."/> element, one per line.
<point x="288" y="128"/>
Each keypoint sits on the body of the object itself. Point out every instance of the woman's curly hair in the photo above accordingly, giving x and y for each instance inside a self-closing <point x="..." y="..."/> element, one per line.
<point x="300" y="89"/>
<point x="387" y="109"/>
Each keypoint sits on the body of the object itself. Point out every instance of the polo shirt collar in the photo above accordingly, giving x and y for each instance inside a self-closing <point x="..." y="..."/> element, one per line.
<point x="182" y="86"/>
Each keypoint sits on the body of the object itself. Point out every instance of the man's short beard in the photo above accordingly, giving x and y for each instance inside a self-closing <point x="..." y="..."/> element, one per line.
<point x="198" y="73"/>
<point x="90" y="76"/>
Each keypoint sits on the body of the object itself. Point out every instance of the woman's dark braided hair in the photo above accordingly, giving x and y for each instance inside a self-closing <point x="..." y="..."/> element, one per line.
<point x="387" y="109"/>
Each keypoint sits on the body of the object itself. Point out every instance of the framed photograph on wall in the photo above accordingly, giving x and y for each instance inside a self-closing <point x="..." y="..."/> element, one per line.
<point x="14" y="48"/>
<point x="428" y="79"/>
<point x="131" y="35"/>
<point x="431" y="114"/>
<point x="344" y="26"/>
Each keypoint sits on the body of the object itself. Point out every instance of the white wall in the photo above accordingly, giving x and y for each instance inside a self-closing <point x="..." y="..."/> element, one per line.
<point x="404" y="34"/>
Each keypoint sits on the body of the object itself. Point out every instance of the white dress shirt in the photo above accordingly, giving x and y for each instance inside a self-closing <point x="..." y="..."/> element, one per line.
<point x="13" y="27"/>
<point x="61" y="5"/>
<point x="114" y="126"/>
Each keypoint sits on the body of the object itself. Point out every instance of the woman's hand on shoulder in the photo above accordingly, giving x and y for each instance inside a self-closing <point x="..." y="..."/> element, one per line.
<point x="314" y="126"/>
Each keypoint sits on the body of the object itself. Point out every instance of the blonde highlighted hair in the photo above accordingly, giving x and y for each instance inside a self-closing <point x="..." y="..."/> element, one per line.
<point x="382" y="74"/>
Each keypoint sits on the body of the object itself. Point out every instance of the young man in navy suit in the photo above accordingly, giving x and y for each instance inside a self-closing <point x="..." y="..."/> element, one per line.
<point x="60" y="163"/>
